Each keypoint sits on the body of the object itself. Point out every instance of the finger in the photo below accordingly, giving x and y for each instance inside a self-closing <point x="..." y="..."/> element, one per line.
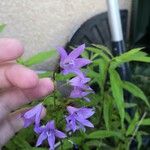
<point x="10" y="49"/>
<point x="14" y="98"/>
<point x="11" y="125"/>
<point x="17" y="75"/>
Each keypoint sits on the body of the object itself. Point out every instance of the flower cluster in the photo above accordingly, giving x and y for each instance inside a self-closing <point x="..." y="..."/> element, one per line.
<point x="77" y="117"/>
<point x="70" y="63"/>
<point x="47" y="131"/>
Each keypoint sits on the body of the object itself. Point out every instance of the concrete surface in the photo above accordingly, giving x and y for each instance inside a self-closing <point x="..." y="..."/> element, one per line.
<point x="43" y="24"/>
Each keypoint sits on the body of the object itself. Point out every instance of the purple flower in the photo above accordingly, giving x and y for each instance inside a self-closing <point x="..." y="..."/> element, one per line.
<point x="80" y="90"/>
<point x="79" y="81"/>
<point x="78" y="118"/>
<point x="70" y="63"/>
<point x="33" y="115"/>
<point x="50" y="133"/>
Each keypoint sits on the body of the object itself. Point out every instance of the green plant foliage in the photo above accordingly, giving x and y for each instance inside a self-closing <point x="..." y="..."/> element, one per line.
<point x="135" y="91"/>
<point x="146" y="122"/>
<point x="117" y="92"/>
<point x="115" y="127"/>
<point x="104" y="134"/>
<point x="40" y="57"/>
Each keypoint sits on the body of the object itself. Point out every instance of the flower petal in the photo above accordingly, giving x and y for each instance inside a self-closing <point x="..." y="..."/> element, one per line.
<point x="76" y="52"/>
<point x="72" y="70"/>
<point x="62" y="52"/>
<point x="39" y="129"/>
<point x="51" y="125"/>
<point x="80" y="126"/>
<point x="33" y="111"/>
<point x="80" y="62"/>
<point x="60" y="134"/>
<point x="71" y="123"/>
<point x="85" y="112"/>
<point x="85" y="122"/>
<point x="38" y="115"/>
<point x="27" y="122"/>
<point x="76" y="93"/>
<point x="41" y="138"/>
<point x="71" y="109"/>
<point x="51" y="141"/>
<point x="86" y="99"/>
<point x="79" y="81"/>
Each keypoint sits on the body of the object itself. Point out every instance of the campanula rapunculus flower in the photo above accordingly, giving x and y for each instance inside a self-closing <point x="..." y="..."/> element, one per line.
<point x="79" y="81"/>
<point x="78" y="118"/>
<point x="33" y="115"/>
<point x="78" y="92"/>
<point x="50" y="133"/>
<point x="70" y="63"/>
<point x="80" y="87"/>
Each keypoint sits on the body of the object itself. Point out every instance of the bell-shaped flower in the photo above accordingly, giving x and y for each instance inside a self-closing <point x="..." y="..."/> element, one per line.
<point x="80" y="87"/>
<point x="33" y="115"/>
<point x="50" y="133"/>
<point x="70" y="63"/>
<point x="78" y="118"/>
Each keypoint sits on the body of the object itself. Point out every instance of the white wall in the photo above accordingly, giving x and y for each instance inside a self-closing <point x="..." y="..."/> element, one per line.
<point x="43" y="24"/>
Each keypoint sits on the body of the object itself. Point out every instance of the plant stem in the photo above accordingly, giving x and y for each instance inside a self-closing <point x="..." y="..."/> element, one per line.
<point x="54" y="77"/>
<point x="136" y="129"/>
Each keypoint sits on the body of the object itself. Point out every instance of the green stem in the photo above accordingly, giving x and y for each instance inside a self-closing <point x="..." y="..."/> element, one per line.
<point x="54" y="97"/>
<point x="104" y="82"/>
<point x="136" y="129"/>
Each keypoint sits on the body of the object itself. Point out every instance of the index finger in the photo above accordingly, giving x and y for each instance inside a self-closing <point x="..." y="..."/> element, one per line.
<point x="10" y="49"/>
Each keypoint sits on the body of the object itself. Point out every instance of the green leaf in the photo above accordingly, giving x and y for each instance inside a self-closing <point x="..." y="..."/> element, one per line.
<point x="2" y="26"/>
<point x="146" y="122"/>
<point x="137" y="92"/>
<point x="102" y="134"/>
<point x="139" y="140"/>
<point x="127" y="117"/>
<point x="85" y="54"/>
<point x="103" y="68"/>
<point x="143" y="59"/>
<point x="40" y="57"/>
<point x="127" y="56"/>
<point x="98" y="51"/>
<point x="132" y="55"/>
<point x="103" y="48"/>
<point x="133" y="124"/>
<point x="130" y="105"/>
<point x="107" y="111"/>
<point x="117" y="92"/>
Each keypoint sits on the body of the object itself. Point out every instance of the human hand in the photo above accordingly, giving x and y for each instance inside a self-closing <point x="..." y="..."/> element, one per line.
<point x="18" y="86"/>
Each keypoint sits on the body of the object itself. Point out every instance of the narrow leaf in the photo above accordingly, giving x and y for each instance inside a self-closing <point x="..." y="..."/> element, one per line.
<point x="101" y="134"/>
<point x="103" y="68"/>
<point x="103" y="48"/>
<point x="130" y="105"/>
<point x="133" y="124"/>
<point x="107" y="111"/>
<point x="139" y="140"/>
<point x="146" y="122"/>
<point x="98" y="51"/>
<point x="40" y="57"/>
<point x="132" y="55"/>
<point x="137" y="92"/>
<point x="117" y="92"/>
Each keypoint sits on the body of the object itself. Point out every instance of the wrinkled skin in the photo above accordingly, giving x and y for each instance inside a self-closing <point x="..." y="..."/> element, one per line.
<point x="18" y="86"/>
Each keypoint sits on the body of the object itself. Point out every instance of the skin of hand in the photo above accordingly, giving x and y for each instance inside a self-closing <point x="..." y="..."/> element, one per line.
<point x="18" y="86"/>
